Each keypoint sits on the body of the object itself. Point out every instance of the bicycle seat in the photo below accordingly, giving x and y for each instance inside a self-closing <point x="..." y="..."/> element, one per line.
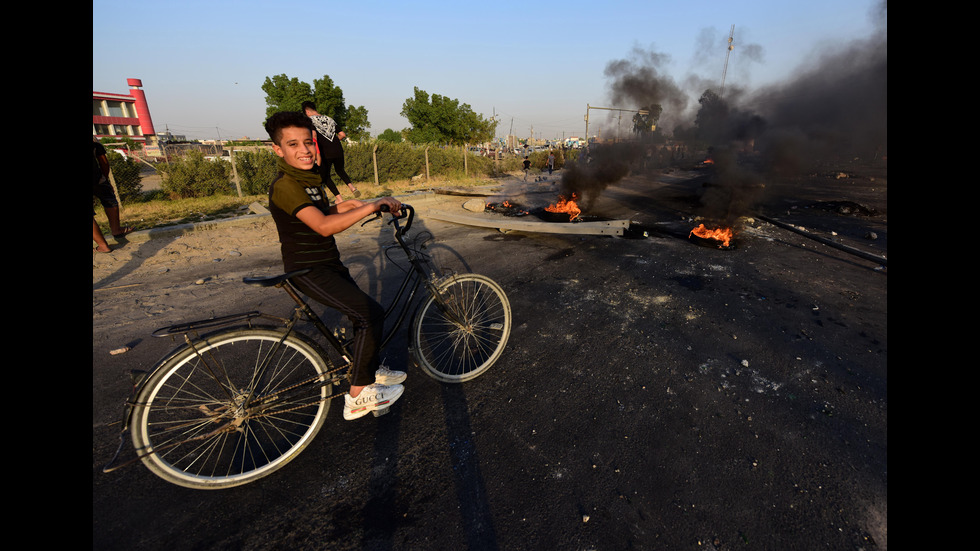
<point x="272" y="281"/>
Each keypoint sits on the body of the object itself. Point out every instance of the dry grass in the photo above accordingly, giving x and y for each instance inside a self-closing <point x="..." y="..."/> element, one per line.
<point x="166" y="212"/>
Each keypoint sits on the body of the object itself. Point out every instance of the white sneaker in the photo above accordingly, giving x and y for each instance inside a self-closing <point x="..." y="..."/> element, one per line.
<point x="372" y="397"/>
<point x="385" y="376"/>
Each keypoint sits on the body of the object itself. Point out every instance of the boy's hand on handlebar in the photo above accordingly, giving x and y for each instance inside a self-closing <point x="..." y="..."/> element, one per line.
<point x="393" y="205"/>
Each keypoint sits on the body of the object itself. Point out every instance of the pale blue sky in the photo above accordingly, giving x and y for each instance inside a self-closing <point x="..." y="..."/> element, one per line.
<point x="533" y="64"/>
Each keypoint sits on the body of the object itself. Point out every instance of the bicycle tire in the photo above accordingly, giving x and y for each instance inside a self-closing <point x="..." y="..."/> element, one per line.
<point x="455" y="353"/>
<point x="185" y="399"/>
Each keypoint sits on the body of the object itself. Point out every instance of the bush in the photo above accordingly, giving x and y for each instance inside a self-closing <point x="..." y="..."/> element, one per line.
<point x="194" y="176"/>
<point x="396" y="161"/>
<point x="126" y="174"/>
<point x="154" y="195"/>
<point x="256" y="171"/>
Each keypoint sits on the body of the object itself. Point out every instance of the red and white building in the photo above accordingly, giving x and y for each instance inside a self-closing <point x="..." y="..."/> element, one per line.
<point x="123" y="115"/>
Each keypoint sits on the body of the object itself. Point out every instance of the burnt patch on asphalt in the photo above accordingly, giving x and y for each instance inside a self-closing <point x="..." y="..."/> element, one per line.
<point x="501" y="236"/>
<point x="558" y="255"/>
<point x="693" y="283"/>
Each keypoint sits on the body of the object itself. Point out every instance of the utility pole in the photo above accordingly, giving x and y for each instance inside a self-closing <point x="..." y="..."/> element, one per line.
<point x="731" y="37"/>
<point x="587" y="107"/>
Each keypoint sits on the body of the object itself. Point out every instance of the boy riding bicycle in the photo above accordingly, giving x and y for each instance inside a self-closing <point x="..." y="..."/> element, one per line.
<point x="306" y="223"/>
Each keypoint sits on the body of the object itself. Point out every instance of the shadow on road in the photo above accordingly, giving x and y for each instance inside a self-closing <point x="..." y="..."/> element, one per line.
<point x="471" y="493"/>
<point x="143" y="251"/>
<point x="380" y="274"/>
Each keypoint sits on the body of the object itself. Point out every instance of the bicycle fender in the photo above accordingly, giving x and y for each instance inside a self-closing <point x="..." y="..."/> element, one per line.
<point x="182" y="328"/>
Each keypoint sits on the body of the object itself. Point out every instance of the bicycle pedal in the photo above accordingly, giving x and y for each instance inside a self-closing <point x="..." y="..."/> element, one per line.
<point x="382" y="411"/>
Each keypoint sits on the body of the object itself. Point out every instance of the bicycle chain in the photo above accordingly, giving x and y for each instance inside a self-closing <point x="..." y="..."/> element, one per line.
<point x="320" y="378"/>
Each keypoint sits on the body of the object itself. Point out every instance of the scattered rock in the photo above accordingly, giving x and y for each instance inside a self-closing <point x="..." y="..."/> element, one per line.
<point x="258" y="208"/>
<point x="845" y="208"/>
<point x="475" y="205"/>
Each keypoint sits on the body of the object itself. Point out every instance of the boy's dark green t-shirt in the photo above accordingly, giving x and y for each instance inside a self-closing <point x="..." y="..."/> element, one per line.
<point x="301" y="246"/>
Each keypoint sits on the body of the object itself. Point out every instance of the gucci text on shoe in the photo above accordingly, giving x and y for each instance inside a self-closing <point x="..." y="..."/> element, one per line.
<point x="378" y="399"/>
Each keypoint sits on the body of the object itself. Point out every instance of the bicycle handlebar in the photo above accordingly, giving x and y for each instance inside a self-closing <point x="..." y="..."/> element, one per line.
<point x="406" y="211"/>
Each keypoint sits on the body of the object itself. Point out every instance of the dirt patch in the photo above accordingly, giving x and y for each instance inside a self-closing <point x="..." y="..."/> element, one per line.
<point x="207" y="244"/>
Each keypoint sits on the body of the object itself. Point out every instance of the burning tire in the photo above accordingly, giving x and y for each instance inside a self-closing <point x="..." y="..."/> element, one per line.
<point x="458" y="337"/>
<point x="719" y="237"/>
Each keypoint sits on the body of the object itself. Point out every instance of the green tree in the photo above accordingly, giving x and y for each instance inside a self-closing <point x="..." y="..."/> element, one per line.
<point x="285" y="94"/>
<point x="390" y="135"/>
<point x="645" y="120"/>
<point x="329" y="100"/>
<point x="357" y="124"/>
<point x="288" y="94"/>
<point x="444" y="120"/>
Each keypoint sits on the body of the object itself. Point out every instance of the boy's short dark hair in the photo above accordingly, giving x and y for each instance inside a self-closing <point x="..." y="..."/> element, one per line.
<point x="286" y="119"/>
<point x="305" y="105"/>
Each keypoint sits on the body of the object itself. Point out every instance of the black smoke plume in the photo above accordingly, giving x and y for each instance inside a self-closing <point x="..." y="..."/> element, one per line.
<point x="603" y="165"/>
<point x="833" y="108"/>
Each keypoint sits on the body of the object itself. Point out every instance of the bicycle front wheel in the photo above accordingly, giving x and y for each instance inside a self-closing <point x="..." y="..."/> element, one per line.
<point x="232" y="408"/>
<point x="459" y="335"/>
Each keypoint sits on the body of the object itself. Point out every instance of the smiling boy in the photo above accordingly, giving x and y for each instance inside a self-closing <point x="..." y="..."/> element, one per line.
<point x="306" y="223"/>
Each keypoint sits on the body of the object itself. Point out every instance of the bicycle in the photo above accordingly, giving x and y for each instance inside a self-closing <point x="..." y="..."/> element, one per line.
<point x="236" y="404"/>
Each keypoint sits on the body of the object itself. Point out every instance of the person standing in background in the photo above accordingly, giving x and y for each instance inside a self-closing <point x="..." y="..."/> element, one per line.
<point x="102" y="188"/>
<point x="330" y="148"/>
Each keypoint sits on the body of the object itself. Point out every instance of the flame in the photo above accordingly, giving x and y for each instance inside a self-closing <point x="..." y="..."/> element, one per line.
<point x="721" y="234"/>
<point x="569" y="207"/>
<point x="709" y="162"/>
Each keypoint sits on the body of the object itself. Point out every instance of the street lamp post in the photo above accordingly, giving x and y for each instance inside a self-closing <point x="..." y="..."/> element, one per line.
<point x="588" y="107"/>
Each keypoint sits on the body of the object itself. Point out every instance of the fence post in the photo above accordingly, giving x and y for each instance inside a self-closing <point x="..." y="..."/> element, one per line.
<point x="374" y="156"/>
<point x="426" y="163"/>
<point x="234" y="172"/>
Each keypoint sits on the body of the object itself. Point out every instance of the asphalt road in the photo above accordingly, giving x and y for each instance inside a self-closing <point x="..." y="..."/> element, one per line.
<point x="655" y="394"/>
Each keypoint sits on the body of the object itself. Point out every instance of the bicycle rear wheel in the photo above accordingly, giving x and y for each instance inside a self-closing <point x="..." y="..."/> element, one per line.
<point x="461" y="343"/>
<point x="192" y="421"/>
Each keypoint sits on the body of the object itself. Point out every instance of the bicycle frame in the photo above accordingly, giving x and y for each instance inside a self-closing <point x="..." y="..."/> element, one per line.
<point x="413" y="280"/>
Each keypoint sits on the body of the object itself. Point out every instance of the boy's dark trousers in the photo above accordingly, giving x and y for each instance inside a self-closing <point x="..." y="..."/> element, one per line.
<point x="335" y="288"/>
